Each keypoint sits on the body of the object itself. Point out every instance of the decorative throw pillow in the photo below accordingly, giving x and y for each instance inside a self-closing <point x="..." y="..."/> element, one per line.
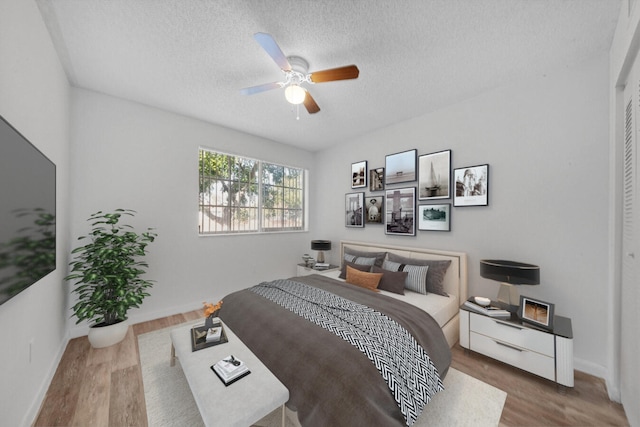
<point x="392" y="281"/>
<point x="437" y="271"/>
<point x="416" y="275"/>
<point x="362" y="257"/>
<point x="363" y="279"/>
<point x="343" y="271"/>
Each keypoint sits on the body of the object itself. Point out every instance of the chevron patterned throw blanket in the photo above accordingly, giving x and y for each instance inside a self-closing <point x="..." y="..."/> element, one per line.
<point x="403" y="363"/>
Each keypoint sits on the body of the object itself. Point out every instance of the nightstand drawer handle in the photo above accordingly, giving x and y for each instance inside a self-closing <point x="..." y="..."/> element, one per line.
<point x="510" y="325"/>
<point x="508" y="346"/>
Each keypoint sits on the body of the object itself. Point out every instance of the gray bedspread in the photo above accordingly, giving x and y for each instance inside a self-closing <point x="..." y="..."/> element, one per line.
<point x="330" y="382"/>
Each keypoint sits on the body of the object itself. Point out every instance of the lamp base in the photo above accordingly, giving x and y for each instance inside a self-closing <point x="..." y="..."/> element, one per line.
<point x="509" y="296"/>
<point x="320" y="256"/>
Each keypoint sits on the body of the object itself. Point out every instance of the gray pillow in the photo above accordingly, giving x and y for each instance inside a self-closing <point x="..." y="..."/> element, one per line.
<point x="416" y="275"/>
<point x="363" y="257"/>
<point x="361" y="267"/>
<point x="392" y="281"/>
<point x="437" y="271"/>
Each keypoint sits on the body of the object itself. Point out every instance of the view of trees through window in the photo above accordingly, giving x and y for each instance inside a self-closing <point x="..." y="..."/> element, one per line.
<point x="242" y="195"/>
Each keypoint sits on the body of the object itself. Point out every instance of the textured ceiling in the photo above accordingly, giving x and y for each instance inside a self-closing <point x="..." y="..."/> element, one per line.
<point x="415" y="56"/>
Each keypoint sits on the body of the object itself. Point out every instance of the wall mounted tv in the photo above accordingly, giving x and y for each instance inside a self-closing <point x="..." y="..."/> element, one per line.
<point x="27" y="213"/>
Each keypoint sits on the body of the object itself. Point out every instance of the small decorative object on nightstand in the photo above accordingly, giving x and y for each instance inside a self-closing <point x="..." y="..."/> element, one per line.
<point x="308" y="260"/>
<point x="536" y="312"/>
<point x="304" y="270"/>
<point x="483" y="301"/>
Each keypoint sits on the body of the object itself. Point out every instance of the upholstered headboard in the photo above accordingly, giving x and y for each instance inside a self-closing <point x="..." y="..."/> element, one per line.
<point x="455" y="280"/>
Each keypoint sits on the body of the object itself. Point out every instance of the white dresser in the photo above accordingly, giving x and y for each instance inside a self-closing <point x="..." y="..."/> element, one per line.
<point x="548" y="354"/>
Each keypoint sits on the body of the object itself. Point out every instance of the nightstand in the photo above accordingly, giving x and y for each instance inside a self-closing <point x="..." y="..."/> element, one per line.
<point x="303" y="270"/>
<point x="548" y="354"/>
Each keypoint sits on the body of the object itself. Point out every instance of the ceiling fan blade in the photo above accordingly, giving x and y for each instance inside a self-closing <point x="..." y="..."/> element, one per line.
<point x="261" y="88"/>
<point x="340" y="73"/>
<point x="269" y="44"/>
<point x="310" y="104"/>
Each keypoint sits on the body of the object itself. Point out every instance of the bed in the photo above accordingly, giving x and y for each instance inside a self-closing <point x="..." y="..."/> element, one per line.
<point x="444" y="309"/>
<point x="326" y="363"/>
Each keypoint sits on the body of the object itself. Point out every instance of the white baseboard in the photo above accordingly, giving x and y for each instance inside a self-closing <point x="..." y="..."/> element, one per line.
<point x="31" y="415"/>
<point x="82" y="329"/>
<point x="613" y="388"/>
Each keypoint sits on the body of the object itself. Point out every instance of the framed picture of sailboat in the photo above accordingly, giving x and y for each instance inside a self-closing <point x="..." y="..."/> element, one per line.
<point x="434" y="172"/>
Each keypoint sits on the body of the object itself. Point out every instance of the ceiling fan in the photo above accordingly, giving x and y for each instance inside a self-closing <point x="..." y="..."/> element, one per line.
<point x="296" y="73"/>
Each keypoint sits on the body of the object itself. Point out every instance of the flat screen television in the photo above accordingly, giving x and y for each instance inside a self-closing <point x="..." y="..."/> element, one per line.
<point x="27" y="213"/>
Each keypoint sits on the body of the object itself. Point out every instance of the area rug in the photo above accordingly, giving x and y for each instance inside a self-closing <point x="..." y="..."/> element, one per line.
<point x="466" y="401"/>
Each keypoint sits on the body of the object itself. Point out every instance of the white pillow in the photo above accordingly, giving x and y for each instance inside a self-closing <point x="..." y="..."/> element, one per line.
<point x="417" y="275"/>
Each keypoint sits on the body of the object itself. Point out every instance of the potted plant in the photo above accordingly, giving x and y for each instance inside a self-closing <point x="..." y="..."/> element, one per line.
<point x="107" y="273"/>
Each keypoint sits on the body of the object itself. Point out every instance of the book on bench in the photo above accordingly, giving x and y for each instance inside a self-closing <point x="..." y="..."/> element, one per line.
<point x="230" y="369"/>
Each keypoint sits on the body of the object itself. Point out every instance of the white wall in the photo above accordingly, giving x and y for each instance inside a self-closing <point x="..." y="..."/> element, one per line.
<point x="34" y="98"/>
<point x="545" y="140"/>
<point x="126" y="155"/>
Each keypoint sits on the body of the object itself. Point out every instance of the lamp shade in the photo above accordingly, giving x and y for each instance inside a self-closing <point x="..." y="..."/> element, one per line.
<point x="321" y="245"/>
<point x="512" y="272"/>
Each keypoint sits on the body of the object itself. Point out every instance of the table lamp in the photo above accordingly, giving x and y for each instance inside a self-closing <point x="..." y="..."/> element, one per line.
<point x="510" y="273"/>
<point x="320" y="246"/>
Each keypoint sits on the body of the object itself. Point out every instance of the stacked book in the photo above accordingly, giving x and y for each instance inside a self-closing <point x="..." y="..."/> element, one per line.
<point x="490" y="311"/>
<point x="230" y="369"/>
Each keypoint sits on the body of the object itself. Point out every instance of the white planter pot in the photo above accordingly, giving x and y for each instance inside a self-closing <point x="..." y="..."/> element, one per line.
<point x="104" y="336"/>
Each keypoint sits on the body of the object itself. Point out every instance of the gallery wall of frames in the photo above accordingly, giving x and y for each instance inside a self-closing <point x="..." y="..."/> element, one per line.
<point x="413" y="190"/>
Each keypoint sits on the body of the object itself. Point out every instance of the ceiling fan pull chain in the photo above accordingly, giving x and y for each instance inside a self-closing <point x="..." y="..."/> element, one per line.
<point x="297" y="111"/>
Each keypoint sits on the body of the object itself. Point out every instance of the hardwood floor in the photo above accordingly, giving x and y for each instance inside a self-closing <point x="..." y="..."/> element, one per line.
<point x="534" y="401"/>
<point x="103" y="387"/>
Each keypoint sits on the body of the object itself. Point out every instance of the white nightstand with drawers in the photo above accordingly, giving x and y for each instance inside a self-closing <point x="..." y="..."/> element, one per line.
<point x="548" y="354"/>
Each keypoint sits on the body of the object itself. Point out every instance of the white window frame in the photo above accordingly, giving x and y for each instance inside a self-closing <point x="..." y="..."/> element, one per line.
<point x="260" y="229"/>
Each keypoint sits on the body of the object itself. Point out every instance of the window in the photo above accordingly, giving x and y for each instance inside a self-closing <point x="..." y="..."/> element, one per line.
<point x="242" y="195"/>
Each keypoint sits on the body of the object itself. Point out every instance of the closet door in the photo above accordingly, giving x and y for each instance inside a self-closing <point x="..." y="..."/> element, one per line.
<point x="630" y="289"/>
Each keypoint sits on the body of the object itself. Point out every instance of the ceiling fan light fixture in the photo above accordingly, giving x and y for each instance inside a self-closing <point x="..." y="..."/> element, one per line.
<point x="295" y="94"/>
<point x="296" y="73"/>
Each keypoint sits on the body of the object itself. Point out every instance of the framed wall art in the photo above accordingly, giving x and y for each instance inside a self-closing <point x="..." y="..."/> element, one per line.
<point x="536" y="312"/>
<point x="400" y="167"/>
<point x="376" y="179"/>
<point x="399" y="211"/>
<point x="472" y="186"/>
<point x="373" y="212"/>
<point x="434" y="172"/>
<point x="354" y="209"/>
<point x="434" y="217"/>
<point x="359" y="174"/>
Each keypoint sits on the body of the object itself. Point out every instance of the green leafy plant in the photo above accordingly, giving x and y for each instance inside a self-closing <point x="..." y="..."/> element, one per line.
<point x="107" y="271"/>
